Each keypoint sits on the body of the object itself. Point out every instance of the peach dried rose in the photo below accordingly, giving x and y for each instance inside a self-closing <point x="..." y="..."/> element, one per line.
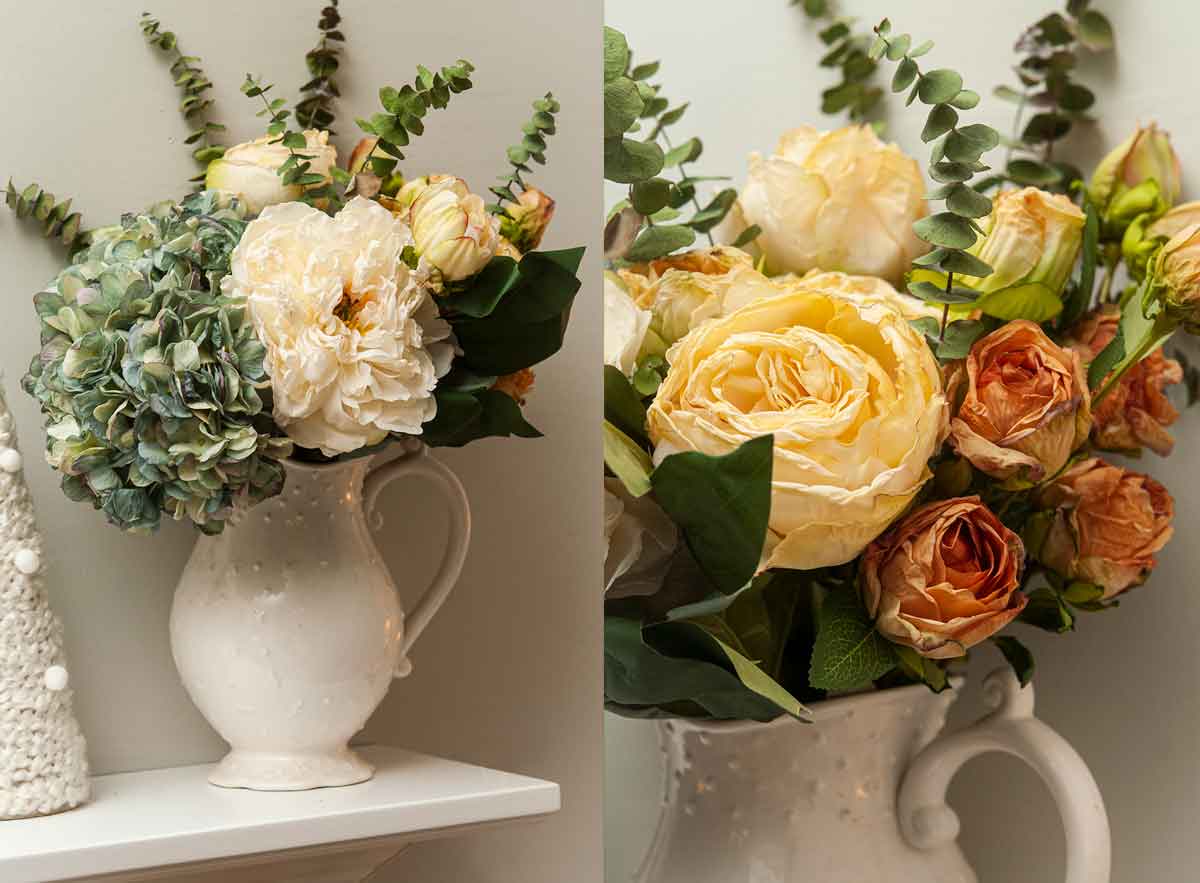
<point x="516" y="386"/>
<point x="1107" y="525"/>
<point x="1137" y="412"/>
<point x="944" y="578"/>
<point x="1026" y="406"/>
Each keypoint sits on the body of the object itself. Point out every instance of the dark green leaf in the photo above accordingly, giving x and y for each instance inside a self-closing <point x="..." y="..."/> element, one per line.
<point x="722" y="505"/>
<point x="1046" y="610"/>
<point x="623" y="407"/>
<point x="747" y="236"/>
<point x="1018" y="657"/>
<point x="1081" y="295"/>
<point x="1107" y="359"/>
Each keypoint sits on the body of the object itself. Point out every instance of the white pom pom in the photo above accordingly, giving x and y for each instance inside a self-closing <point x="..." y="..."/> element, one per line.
<point x="10" y="460"/>
<point x="27" y="561"/>
<point x="56" y="678"/>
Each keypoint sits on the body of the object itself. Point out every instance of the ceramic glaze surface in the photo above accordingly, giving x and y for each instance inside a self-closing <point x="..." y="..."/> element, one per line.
<point x="287" y="628"/>
<point x="857" y="795"/>
<point x="788" y="802"/>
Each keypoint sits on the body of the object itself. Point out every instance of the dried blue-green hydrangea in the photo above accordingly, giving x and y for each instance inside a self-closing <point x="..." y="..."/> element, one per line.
<point x="151" y="380"/>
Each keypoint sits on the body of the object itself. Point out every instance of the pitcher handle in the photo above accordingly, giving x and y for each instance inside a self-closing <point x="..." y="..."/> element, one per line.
<point x="927" y="822"/>
<point x="418" y="462"/>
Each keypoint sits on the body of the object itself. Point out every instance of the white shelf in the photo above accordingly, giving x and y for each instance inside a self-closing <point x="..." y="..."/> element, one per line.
<point x="144" y="820"/>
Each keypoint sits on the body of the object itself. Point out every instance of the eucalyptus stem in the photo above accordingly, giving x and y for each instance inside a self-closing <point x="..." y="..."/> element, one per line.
<point x="683" y="176"/>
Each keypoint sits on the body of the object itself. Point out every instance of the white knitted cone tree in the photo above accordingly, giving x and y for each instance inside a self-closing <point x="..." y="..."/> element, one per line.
<point x="43" y="760"/>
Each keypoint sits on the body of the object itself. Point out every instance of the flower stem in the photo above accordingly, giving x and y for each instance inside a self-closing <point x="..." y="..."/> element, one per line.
<point x="946" y="307"/>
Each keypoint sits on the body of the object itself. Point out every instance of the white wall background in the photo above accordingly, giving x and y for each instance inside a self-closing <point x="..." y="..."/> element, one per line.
<point x="509" y="673"/>
<point x="1122" y="689"/>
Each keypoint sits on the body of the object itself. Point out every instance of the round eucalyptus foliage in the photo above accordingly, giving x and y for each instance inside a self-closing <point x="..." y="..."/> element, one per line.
<point x="150" y="379"/>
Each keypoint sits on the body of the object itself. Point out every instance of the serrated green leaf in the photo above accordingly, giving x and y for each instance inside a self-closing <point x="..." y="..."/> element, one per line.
<point x="849" y="653"/>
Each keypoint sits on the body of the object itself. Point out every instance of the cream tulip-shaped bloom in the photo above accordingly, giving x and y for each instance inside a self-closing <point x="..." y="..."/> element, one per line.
<point x="250" y="170"/>
<point x="851" y="393"/>
<point x="840" y="200"/>
<point x="451" y="227"/>
<point x="355" y="346"/>
<point x="1030" y="236"/>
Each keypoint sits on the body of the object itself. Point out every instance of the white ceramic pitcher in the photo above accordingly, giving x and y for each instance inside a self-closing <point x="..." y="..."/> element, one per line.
<point x="287" y="628"/>
<point x="858" y="796"/>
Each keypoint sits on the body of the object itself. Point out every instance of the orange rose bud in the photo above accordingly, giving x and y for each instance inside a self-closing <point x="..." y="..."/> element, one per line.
<point x="1026" y="406"/>
<point x="944" y="578"/>
<point x="1107" y="524"/>
<point x="1137" y="412"/>
<point x="515" y="386"/>
<point x="525" y="221"/>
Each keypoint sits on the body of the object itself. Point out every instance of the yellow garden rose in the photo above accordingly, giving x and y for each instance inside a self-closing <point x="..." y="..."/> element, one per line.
<point x="851" y="393"/>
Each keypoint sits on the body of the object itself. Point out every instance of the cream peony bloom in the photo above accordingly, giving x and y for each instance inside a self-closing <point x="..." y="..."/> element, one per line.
<point x="840" y="200"/>
<point x="249" y="170"/>
<point x="355" y="345"/>
<point x="851" y="393"/>
<point x="451" y="227"/>
<point x="625" y="326"/>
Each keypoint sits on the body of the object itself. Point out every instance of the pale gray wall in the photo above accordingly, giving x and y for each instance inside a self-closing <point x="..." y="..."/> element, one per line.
<point x="1122" y="689"/>
<point x="509" y="673"/>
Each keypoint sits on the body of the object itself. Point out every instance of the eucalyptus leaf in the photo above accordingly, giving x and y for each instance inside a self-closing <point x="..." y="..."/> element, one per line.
<point x="939" y="86"/>
<point x="968" y="203"/>
<point x="627" y="161"/>
<point x="1095" y="31"/>
<point x="660" y="239"/>
<point x="942" y="118"/>
<point x="622" y="106"/>
<point x="688" y="151"/>
<point x="616" y="54"/>
<point x="1033" y="173"/>
<point x="647" y="197"/>
<point x="945" y="229"/>
<point x="931" y="293"/>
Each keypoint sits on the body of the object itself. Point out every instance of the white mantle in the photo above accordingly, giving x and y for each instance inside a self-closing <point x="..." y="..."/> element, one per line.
<point x="170" y="824"/>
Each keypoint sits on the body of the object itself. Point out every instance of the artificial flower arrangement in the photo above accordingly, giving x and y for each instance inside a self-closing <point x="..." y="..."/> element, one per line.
<point x="849" y="440"/>
<point x="292" y="307"/>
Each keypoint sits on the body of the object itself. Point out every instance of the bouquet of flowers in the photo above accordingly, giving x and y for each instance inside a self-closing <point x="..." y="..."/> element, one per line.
<point x="860" y="438"/>
<point x="292" y="307"/>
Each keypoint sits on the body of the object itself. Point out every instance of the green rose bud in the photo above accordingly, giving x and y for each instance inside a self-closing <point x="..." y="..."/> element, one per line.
<point x="1139" y="176"/>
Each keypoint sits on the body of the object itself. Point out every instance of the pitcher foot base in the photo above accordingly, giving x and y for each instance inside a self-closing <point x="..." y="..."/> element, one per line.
<point x="266" y="771"/>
